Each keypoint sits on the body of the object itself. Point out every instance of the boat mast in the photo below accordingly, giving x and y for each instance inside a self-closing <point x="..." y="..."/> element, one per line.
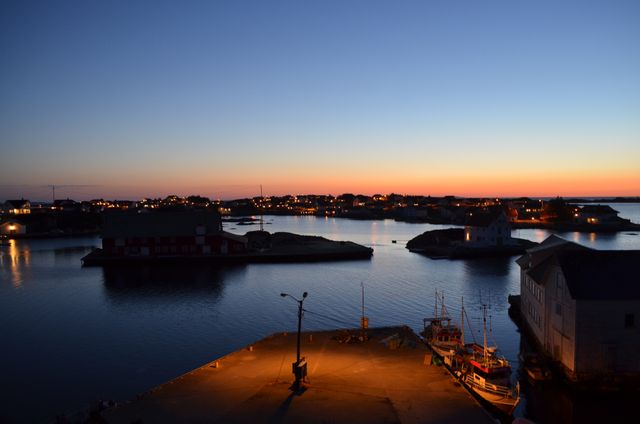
<point x="462" y="322"/>
<point x="484" y="332"/>
<point x="362" y="286"/>
<point x="443" y="312"/>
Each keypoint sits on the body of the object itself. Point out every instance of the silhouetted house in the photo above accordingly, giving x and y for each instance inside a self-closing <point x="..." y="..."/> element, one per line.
<point x="17" y="207"/>
<point x="583" y="308"/>
<point x="597" y="214"/>
<point x="487" y="228"/>
<point x="168" y="233"/>
<point x="524" y="208"/>
<point x="66" y="205"/>
<point x="12" y="226"/>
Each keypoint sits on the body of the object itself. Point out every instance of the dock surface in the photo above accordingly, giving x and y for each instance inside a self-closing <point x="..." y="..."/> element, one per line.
<point x="387" y="379"/>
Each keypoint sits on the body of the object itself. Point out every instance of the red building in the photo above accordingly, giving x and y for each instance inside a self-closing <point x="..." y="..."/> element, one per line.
<point x="168" y="233"/>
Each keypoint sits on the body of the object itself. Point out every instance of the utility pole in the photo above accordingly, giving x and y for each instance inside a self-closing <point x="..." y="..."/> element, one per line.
<point x="299" y="367"/>
<point x="364" y="321"/>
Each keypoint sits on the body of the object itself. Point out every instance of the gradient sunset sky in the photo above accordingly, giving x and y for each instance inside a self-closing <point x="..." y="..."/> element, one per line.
<point x="131" y="99"/>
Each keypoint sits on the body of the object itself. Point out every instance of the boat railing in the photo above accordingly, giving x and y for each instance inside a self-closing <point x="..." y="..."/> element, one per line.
<point x="491" y="388"/>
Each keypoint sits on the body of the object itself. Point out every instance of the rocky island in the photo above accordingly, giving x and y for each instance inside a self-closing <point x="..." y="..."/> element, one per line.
<point x="486" y="234"/>
<point x="449" y="244"/>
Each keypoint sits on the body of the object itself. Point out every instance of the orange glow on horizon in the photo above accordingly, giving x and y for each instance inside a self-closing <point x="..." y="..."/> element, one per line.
<point x="368" y="181"/>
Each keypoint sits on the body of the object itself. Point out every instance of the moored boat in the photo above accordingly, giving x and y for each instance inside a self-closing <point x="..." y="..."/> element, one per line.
<point x="443" y="337"/>
<point x="486" y="373"/>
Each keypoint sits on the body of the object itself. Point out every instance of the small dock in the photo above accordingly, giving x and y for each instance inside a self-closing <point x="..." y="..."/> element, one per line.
<point x="386" y="379"/>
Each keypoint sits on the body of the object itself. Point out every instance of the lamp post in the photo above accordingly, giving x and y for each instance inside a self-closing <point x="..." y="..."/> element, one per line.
<point x="299" y="373"/>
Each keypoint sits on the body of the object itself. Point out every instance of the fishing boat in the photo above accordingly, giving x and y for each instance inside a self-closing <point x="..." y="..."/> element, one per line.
<point x="486" y="373"/>
<point x="443" y="337"/>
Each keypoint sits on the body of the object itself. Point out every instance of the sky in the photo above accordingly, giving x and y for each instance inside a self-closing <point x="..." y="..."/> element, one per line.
<point x="132" y="99"/>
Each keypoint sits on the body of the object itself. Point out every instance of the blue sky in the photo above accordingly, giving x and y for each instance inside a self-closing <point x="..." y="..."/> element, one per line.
<point x="472" y="97"/>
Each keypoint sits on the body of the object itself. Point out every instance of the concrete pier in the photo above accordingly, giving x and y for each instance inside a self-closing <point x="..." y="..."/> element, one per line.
<point x="387" y="379"/>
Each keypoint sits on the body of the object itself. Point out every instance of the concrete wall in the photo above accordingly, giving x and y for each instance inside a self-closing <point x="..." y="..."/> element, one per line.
<point x="606" y="345"/>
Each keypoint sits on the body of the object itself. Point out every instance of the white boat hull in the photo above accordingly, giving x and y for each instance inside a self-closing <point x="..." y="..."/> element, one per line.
<point x="504" y="398"/>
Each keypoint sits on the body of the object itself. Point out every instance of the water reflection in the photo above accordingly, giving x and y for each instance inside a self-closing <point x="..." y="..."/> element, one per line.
<point x="130" y="284"/>
<point x="13" y="261"/>
<point x="496" y="267"/>
<point x="553" y="403"/>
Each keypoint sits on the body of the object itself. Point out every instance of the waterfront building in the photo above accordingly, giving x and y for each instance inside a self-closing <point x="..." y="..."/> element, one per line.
<point x="487" y="228"/>
<point x="168" y="233"/>
<point x="597" y="214"/>
<point x="582" y="307"/>
<point x="17" y="207"/>
<point x="12" y="227"/>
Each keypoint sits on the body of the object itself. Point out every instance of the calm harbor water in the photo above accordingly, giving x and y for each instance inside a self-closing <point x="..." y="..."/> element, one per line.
<point x="71" y="335"/>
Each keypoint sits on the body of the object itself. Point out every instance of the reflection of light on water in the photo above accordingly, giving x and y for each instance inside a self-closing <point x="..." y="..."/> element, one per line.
<point x="592" y="237"/>
<point x="540" y="235"/>
<point x="576" y="237"/>
<point x="15" y="265"/>
<point x="374" y="232"/>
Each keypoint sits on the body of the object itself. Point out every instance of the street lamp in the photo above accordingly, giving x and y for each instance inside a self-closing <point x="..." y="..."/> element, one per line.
<point x="299" y="369"/>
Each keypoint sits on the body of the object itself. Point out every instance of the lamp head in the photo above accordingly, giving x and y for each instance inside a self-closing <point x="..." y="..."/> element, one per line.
<point x="304" y="294"/>
<point x="283" y="294"/>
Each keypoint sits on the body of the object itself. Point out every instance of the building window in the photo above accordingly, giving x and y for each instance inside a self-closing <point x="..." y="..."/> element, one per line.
<point x="629" y="321"/>
<point x="558" y="309"/>
<point x="558" y="286"/>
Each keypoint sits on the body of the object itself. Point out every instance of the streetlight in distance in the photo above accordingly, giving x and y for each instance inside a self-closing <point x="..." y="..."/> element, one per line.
<point x="299" y="367"/>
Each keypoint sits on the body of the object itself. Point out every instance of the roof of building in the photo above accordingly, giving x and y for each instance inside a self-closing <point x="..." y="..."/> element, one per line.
<point x="175" y="223"/>
<point x="589" y="273"/>
<point x="483" y="218"/>
<point x="12" y="221"/>
<point x="536" y="256"/>
<point x="64" y="202"/>
<point x="17" y="204"/>
<point x="599" y="209"/>
<point x="601" y="274"/>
